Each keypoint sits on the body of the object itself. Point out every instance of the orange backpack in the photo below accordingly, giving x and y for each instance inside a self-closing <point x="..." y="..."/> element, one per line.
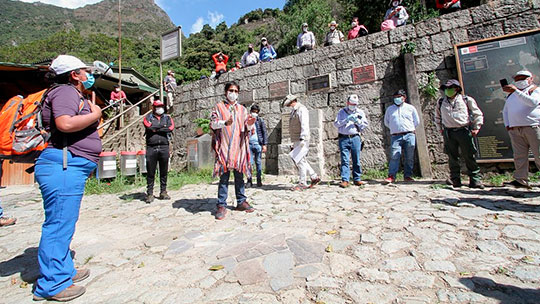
<point x="22" y="135"/>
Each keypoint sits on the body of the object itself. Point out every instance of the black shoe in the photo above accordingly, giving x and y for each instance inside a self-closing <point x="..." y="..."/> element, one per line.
<point x="476" y="185"/>
<point x="164" y="196"/>
<point x="149" y="198"/>
<point x="517" y="184"/>
<point x="259" y="182"/>
<point x="249" y="183"/>
<point x="456" y="183"/>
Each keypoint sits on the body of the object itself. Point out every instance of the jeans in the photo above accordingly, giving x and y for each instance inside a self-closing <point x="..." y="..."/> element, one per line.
<point x="405" y="143"/>
<point x="256" y="153"/>
<point x="461" y="139"/>
<point x="350" y="146"/>
<point x="62" y="192"/>
<point x="155" y="155"/>
<point x="223" y="188"/>
<point x="1" y="211"/>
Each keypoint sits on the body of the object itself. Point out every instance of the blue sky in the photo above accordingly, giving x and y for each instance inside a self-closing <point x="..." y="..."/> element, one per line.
<point x="193" y="14"/>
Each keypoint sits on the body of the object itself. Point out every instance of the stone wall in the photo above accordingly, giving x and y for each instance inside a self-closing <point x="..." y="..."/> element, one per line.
<point x="266" y="83"/>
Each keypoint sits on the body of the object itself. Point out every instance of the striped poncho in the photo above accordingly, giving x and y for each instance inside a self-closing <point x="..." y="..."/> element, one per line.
<point x="231" y="143"/>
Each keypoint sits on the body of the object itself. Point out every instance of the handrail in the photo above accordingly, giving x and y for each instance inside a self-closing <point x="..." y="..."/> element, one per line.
<point x="125" y="128"/>
<point x="125" y="111"/>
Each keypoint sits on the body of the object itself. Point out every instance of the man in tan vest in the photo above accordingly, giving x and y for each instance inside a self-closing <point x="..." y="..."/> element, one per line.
<point x="299" y="132"/>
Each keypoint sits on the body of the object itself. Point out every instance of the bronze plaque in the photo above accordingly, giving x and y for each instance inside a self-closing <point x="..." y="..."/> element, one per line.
<point x="363" y="74"/>
<point x="279" y="89"/>
<point x="318" y="83"/>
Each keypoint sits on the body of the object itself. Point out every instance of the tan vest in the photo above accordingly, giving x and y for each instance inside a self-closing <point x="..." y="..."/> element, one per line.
<point x="295" y="128"/>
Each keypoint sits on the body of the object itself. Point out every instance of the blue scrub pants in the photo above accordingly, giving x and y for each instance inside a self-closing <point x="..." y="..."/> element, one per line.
<point x="62" y="192"/>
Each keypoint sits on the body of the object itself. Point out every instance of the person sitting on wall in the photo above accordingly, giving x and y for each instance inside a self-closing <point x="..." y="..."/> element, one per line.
<point x="334" y="36"/>
<point x="305" y="40"/>
<point x="448" y="6"/>
<point x="250" y="57"/>
<point x="357" y="29"/>
<point x="237" y="66"/>
<point x="117" y="95"/>
<point x="220" y="60"/>
<point x="267" y="52"/>
<point x="395" y="16"/>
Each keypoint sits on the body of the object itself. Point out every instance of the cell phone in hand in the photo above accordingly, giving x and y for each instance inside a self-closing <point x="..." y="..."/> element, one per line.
<point x="503" y="82"/>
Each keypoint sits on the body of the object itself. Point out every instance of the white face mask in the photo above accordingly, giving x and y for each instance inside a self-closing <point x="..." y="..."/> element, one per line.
<point x="231" y="96"/>
<point x="522" y="84"/>
<point x="332" y="28"/>
<point x="352" y="108"/>
<point x="160" y="111"/>
<point x="353" y="24"/>
<point x="304" y="29"/>
<point x="395" y="3"/>
<point x="253" y="114"/>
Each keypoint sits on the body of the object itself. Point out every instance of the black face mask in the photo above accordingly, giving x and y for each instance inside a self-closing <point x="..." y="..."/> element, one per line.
<point x="250" y="50"/>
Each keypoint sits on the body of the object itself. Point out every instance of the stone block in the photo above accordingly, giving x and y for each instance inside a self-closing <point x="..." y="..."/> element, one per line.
<point x="520" y="24"/>
<point x="318" y="100"/>
<point x="430" y="63"/>
<point x="304" y="58"/>
<point x="344" y="77"/>
<point x="255" y="82"/>
<point x="428" y="27"/>
<point x="388" y="52"/>
<point x="278" y="76"/>
<point x="284" y="63"/>
<point x="485" y="31"/>
<point x="402" y="33"/>
<point x="385" y="69"/>
<point x="482" y="13"/>
<point x="359" y="44"/>
<point x="441" y="42"/>
<point x="459" y="35"/>
<point x="248" y="71"/>
<point x="378" y="39"/>
<point x="457" y="19"/>
<point x="309" y="71"/>
<point x="423" y="46"/>
<point x="296" y="73"/>
<point x="261" y="94"/>
<point x="298" y="87"/>
<point x="326" y="66"/>
<point x="512" y="8"/>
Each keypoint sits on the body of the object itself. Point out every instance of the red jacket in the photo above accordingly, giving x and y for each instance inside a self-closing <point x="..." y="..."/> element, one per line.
<point x="117" y="95"/>
<point x="220" y="65"/>
<point x="440" y="3"/>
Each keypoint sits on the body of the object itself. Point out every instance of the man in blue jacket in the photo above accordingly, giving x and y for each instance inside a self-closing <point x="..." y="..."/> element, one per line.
<point x="257" y="144"/>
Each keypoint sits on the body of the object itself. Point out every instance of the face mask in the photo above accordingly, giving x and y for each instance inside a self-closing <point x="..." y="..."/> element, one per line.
<point x="253" y="114"/>
<point x="231" y="96"/>
<point x="160" y="111"/>
<point x="352" y="108"/>
<point x="398" y="101"/>
<point x="451" y="92"/>
<point x="332" y="28"/>
<point x="304" y="29"/>
<point x="522" y="84"/>
<point x="250" y="50"/>
<point x="395" y="3"/>
<point x="89" y="82"/>
<point x="354" y="24"/>
<point x="117" y="89"/>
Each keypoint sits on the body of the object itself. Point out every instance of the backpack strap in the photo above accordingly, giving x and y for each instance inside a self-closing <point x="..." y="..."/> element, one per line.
<point x="532" y="89"/>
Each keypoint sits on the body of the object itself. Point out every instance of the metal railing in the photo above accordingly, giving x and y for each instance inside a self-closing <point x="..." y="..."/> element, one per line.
<point x="122" y="113"/>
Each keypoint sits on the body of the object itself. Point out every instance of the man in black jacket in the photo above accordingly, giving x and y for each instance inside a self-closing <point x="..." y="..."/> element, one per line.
<point x="257" y="144"/>
<point x="158" y="129"/>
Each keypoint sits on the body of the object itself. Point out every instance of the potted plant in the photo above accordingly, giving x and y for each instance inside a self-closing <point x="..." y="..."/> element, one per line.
<point x="203" y="126"/>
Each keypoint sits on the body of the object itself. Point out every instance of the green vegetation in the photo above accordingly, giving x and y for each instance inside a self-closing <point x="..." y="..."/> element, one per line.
<point x="175" y="181"/>
<point x="203" y="123"/>
<point x="430" y="89"/>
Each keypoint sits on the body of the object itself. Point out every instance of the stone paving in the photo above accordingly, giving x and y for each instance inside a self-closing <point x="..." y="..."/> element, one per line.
<point x="403" y="243"/>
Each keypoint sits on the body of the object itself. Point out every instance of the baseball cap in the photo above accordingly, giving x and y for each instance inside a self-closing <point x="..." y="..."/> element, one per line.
<point x="66" y="63"/>
<point x="157" y="103"/>
<point x="400" y="93"/>
<point x="290" y="98"/>
<point x="263" y="39"/>
<point x="523" y="73"/>
<point x="304" y="24"/>
<point x="451" y="83"/>
<point x="353" y="99"/>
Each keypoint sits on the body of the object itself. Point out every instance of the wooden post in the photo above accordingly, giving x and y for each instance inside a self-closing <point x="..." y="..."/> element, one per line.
<point x="414" y="99"/>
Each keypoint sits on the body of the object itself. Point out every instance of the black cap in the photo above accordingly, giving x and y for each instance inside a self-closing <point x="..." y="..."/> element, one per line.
<point x="400" y="93"/>
<point x="116" y="86"/>
<point x="255" y="108"/>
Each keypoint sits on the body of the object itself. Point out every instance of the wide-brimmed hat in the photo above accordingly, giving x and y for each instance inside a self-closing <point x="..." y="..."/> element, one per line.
<point x="333" y="23"/>
<point x="66" y="63"/>
<point x="451" y="83"/>
<point x="523" y="73"/>
<point x="304" y="24"/>
<point x="287" y="101"/>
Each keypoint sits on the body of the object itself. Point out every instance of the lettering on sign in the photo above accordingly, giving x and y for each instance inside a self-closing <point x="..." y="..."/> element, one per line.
<point x="171" y="44"/>
<point x="363" y="74"/>
<point x="318" y="83"/>
<point x="246" y="96"/>
<point x="279" y="89"/>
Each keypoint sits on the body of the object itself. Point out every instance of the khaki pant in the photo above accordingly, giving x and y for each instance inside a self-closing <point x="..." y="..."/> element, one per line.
<point x="522" y="139"/>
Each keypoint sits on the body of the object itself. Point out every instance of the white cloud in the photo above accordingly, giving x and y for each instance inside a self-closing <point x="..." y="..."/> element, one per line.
<point x="215" y="18"/>
<point x="65" y="3"/>
<point x="198" y="25"/>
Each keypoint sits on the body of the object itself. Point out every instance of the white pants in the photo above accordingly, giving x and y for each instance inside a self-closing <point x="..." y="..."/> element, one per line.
<point x="304" y="169"/>
<point x="170" y="99"/>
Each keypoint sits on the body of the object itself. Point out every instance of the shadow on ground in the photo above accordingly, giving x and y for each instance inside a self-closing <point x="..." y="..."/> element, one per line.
<point x="506" y="294"/>
<point x="26" y="264"/>
<point x="196" y="205"/>
<point x="500" y="191"/>
<point x="133" y="196"/>
<point x="491" y="204"/>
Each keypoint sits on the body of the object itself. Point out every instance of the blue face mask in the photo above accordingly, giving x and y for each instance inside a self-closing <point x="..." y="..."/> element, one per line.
<point x="89" y="81"/>
<point x="398" y="101"/>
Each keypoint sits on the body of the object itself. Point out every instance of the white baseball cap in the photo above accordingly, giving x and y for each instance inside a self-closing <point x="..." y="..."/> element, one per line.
<point x="353" y="99"/>
<point x="523" y="73"/>
<point x="66" y="63"/>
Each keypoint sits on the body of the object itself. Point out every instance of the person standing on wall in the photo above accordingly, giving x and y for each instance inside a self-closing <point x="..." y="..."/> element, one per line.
<point x="232" y="127"/>
<point x="521" y="114"/>
<point x="305" y="40"/>
<point x="402" y="119"/>
<point x="300" y="135"/>
<point x="169" y="83"/>
<point x="267" y="52"/>
<point x="357" y="29"/>
<point x="257" y="144"/>
<point x="159" y="127"/>
<point x="334" y="36"/>
<point x="61" y="171"/>
<point x="458" y="119"/>
<point x="250" y="57"/>
<point x="117" y="96"/>
<point x="351" y="121"/>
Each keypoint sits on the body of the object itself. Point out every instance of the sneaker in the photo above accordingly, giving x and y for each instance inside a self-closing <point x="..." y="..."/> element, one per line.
<point x="456" y="183"/>
<point x="81" y="275"/>
<point x="7" y="221"/>
<point x="315" y="181"/>
<point x="389" y="180"/>
<point x="68" y="294"/>
<point x="517" y="184"/>
<point x="221" y="212"/>
<point x="149" y="198"/>
<point x="299" y="187"/>
<point x="344" y="184"/>
<point x="164" y="196"/>
<point x="245" y="206"/>
<point x="409" y="179"/>
<point x="359" y="183"/>
<point x="476" y="185"/>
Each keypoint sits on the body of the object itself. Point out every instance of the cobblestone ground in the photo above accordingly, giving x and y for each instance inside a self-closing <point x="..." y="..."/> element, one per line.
<point x="404" y="243"/>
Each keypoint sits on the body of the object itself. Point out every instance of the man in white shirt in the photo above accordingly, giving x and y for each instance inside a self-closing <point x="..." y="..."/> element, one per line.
<point x="334" y="36"/>
<point x="305" y="40"/>
<point x="402" y="119"/>
<point x="250" y="57"/>
<point x="521" y="114"/>
<point x="299" y="132"/>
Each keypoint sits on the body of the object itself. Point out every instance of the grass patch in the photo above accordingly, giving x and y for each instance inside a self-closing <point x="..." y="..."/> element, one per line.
<point x="175" y="181"/>
<point x="378" y="174"/>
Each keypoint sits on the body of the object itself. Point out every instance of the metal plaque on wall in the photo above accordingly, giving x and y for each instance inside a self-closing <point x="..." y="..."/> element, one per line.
<point x="318" y="83"/>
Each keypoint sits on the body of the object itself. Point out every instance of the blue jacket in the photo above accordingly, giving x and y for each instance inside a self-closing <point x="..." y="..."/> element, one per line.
<point x="267" y="53"/>
<point x="260" y="127"/>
